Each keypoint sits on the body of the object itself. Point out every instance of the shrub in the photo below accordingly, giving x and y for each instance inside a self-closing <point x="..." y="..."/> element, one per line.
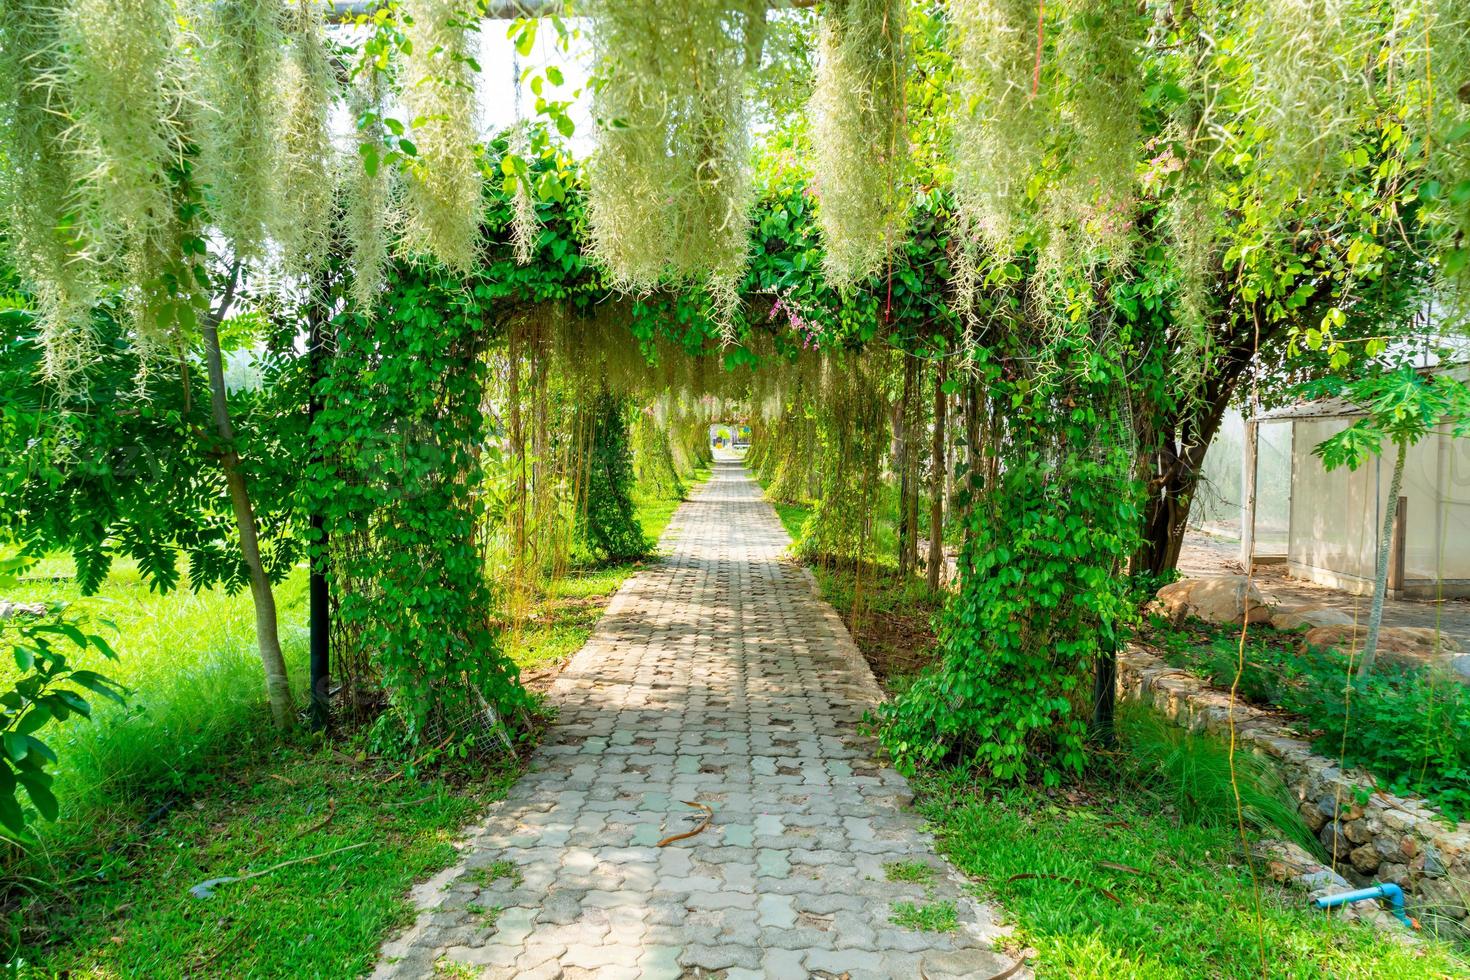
<point x="1406" y="725"/>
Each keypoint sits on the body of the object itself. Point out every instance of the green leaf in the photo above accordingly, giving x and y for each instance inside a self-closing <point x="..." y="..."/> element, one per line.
<point x="17" y="747"/>
<point x="527" y="40"/>
<point x="33" y="720"/>
<point x="39" y="790"/>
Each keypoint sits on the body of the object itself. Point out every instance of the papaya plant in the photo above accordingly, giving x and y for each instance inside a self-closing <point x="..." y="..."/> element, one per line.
<point x="1403" y="406"/>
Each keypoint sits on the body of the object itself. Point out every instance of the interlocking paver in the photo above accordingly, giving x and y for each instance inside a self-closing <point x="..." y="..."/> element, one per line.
<point x="715" y="675"/>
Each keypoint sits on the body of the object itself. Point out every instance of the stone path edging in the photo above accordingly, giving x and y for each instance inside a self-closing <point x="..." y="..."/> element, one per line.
<point x="716" y="674"/>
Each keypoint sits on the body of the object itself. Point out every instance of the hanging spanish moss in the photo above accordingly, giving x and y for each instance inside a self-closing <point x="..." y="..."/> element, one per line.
<point x="653" y="458"/>
<point x="1313" y="65"/>
<point x="1090" y="212"/>
<point x="368" y="205"/>
<point x="1000" y="130"/>
<point x="860" y="132"/>
<point x="850" y="438"/>
<point x="525" y="227"/>
<point x="122" y="76"/>
<point x="1191" y="234"/>
<point x="669" y="189"/>
<point x="37" y="184"/>
<point x="444" y="179"/>
<point x="307" y="91"/>
<point x="238" y="47"/>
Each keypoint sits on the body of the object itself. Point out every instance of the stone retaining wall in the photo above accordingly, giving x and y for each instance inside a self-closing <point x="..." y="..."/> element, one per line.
<point x="1388" y="838"/>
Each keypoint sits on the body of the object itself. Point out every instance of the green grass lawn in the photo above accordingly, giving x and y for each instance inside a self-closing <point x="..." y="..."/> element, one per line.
<point x="323" y="917"/>
<point x="189" y="782"/>
<point x="1185" y="908"/>
<point x="793" y="516"/>
<point x="191" y="666"/>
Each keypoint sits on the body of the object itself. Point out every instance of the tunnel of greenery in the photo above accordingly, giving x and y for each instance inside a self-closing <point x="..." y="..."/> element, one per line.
<point x="983" y="277"/>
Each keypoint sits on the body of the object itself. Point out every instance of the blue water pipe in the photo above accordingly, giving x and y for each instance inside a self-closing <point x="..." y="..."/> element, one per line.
<point x="1390" y="891"/>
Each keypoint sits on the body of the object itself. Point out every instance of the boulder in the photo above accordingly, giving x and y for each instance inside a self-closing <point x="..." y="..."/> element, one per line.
<point x="1412" y="641"/>
<point x="1217" y="599"/>
<point x="1308" y="617"/>
<point x="1461" y="665"/>
<point x="1365" y="859"/>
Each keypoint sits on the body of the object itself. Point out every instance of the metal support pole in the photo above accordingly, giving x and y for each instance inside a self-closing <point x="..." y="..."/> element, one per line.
<point x="1248" y="495"/>
<point x="319" y="598"/>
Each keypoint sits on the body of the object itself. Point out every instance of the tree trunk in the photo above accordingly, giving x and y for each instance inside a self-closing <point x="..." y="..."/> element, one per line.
<point x="974" y="405"/>
<point x="267" y="636"/>
<point x="937" y="460"/>
<point x="905" y="448"/>
<point x="1172" y="482"/>
<point x="911" y="440"/>
<point x="1380" y="575"/>
<point x="518" y="460"/>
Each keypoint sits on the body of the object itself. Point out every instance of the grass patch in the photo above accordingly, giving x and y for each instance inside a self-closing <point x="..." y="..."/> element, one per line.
<point x="933" y="917"/>
<point x="129" y="913"/>
<point x="1186" y="908"/>
<point x="197" y="694"/>
<point x="916" y="872"/>
<point x="793" y="517"/>
<point x="508" y="870"/>
<point x="447" y="969"/>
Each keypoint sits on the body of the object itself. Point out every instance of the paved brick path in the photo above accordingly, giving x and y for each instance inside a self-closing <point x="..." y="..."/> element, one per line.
<point x="715" y="675"/>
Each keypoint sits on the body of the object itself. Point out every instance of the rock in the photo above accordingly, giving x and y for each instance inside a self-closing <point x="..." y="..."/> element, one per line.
<point x="1443" y="897"/>
<point x="1335" y="842"/>
<point x="1217" y="599"/>
<point x="1308" y="617"/>
<point x="1357" y="831"/>
<point x="1427" y="637"/>
<point x="1365" y="858"/>
<point x="1413" y="641"/>
<point x="1396" y="873"/>
<point x="1331" y="807"/>
<point x="1314" y="817"/>
<point x="1461" y="665"/>
<point x="1432" y="863"/>
<point x="21" y="610"/>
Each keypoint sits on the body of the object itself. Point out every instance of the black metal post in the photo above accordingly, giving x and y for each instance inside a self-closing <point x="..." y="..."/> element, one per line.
<point x="1105" y="689"/>
<point x="319" y="598"/>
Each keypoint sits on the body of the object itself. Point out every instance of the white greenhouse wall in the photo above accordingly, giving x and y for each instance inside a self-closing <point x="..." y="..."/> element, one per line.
<point x="1336" y="518"/>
